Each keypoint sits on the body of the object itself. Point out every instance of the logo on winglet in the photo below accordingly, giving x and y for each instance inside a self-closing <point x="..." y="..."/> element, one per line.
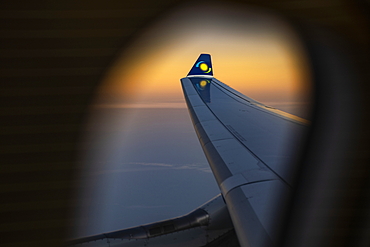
<point x="203" y="84"/>
<point x="202" y="65"/>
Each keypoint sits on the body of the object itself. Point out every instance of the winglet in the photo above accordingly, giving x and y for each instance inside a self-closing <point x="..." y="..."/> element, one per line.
<point x="203" y="66"/>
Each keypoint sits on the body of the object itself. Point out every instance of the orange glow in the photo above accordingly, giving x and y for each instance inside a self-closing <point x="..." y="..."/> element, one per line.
<point x="254" y="53"/>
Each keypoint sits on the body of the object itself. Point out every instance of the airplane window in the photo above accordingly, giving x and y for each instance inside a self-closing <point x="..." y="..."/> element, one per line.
<point x="192" y="116"/>
<point x="147" y="164"/>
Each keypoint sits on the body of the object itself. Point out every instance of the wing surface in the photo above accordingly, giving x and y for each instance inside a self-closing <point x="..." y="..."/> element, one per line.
<point x="251" y="150"/>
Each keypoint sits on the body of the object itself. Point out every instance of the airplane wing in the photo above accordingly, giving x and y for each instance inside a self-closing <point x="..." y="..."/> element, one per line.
<point x="251" y="149"/>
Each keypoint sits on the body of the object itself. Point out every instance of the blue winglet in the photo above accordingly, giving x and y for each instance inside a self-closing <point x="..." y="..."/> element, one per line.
<point x="203" y="66"/>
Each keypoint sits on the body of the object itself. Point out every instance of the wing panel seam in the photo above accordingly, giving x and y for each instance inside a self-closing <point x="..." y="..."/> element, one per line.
<point x="251" y="152"/>
<point x="242" y="184"/>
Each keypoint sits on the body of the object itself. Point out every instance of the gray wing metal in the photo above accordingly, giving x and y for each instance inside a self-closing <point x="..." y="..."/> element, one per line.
<point x="207" y="226"/>
<point x="251" y="150"/>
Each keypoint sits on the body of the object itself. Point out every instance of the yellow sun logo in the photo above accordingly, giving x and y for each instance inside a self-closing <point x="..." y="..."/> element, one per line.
<point x="203" y="66"/>
<point x="203" y="83"/>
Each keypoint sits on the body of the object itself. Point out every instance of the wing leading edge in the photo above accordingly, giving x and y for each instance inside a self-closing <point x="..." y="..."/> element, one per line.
<point x="249" y="148"/>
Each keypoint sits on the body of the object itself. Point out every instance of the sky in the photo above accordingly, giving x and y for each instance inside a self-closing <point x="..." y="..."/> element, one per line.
<point x="145" y="162"/>
<point x="253" y="51"/>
